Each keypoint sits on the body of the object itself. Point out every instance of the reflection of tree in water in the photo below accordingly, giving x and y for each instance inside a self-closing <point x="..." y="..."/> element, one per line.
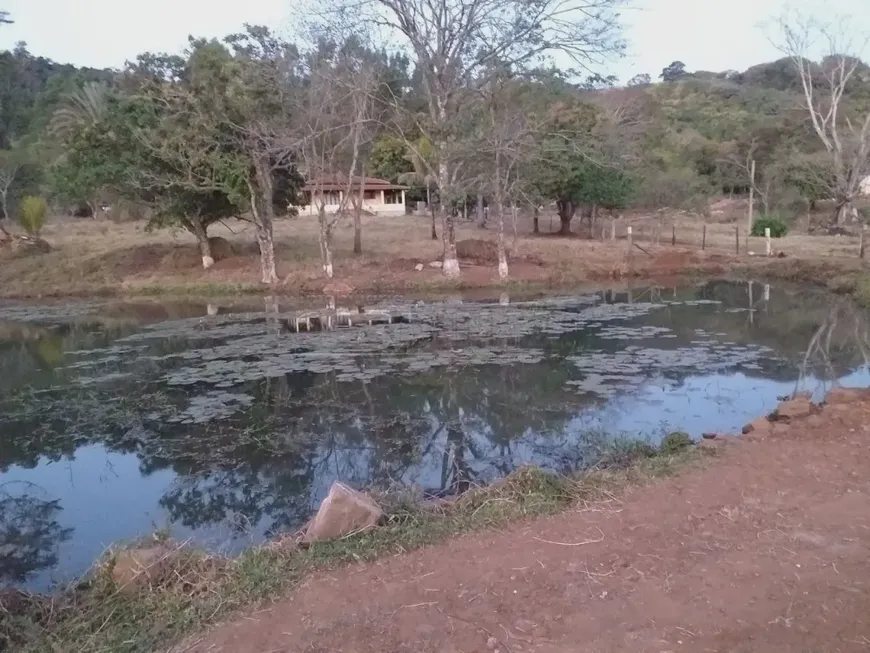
<point x="452" y="425"/>
<point x="29" y="535"/>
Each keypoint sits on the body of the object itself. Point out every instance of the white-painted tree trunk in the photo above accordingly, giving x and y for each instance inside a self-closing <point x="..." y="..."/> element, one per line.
<point x="325" y="242"/>
<point x="267" y="254"/>
<point x="450" y="268"/>
<point x="262" y="211"/>
<point x="199" y="231"/>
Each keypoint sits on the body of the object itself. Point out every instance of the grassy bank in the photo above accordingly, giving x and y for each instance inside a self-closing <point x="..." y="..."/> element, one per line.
<point x="844" y="276"/>
<point x="96" y="616"/>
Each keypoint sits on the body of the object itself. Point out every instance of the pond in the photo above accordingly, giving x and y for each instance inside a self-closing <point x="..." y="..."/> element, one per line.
<point x="226" y="424"/>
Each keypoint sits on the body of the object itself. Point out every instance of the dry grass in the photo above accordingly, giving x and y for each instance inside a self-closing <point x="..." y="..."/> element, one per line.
<point x="99" y="257"/>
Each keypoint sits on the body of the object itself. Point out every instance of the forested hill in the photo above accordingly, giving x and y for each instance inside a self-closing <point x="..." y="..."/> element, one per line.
<point x="32" y="89"/>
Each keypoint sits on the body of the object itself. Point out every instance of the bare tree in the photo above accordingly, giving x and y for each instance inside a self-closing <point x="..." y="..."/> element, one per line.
<point x="512" y="123"/>
<point x="453" y="41"/>
<point x="842" y="127"/>
<point x="332" y="118"/>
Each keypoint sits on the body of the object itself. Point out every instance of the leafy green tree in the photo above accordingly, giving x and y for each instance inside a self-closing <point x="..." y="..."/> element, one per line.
<point x="389" y="159"/>
<point x="108" y="156"/>
<point x="641" y="79"/>
<point x="587" y="183"/>
<point x="673" y="72"/>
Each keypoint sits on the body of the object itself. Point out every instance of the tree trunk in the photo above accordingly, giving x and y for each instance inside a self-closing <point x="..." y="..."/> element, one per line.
<point x="499" y="208"/>
<point x="514" y="219"/>
<point x="267" y="253"/>
<point x="566" y="211"/>
<point x="263" y="211"/>
<point x="357" y="218"/>
<point x="536" y="228"/>
<point x="325" y="238"/>
<point x="450" y="266"/>
<point x="481" y="214"/>
<point x="843" y="212"/>
<point x="5" y="206"/>
<point x="502" y="254"/>
<point x="199" y="231"/>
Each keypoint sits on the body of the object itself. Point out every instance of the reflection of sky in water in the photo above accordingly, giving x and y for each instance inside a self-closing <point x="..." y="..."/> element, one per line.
<point x="619" y="376"/>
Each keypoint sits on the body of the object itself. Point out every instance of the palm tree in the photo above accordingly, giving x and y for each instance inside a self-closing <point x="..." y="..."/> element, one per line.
<point x="421" y="176"/>
<point x="83" y="107"/>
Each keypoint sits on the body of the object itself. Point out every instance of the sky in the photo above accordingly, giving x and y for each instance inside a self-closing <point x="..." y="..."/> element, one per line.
<point x="704" y="34"/>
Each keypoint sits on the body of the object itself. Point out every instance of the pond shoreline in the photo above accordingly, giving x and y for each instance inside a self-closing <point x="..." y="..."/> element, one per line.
<point x="150" y="606"/>
<point x="186" y="590"/>
<point x="845" y="276"/>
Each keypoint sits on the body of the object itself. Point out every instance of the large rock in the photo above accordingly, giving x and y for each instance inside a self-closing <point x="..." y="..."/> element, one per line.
<point x="796" y="408"/>
<point x="840" y="396"/>
<point x="221" y="248"/>
<point x="24" y="246"/>
<point x="137" y="569"/>
<point x="338" y="288"/>
<point x="343" y="512"/>
<point x="758" y="428"/>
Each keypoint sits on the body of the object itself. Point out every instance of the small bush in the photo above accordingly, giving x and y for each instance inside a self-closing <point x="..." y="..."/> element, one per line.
<point x="31" y="214"/>
<point x="675" y="442"/>
<point x="861" y="293"/>
<point x="778" y="227"/>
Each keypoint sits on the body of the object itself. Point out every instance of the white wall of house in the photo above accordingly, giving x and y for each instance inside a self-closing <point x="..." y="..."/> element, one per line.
<point x="378" y="202"/>
<point x="864" y="187"/>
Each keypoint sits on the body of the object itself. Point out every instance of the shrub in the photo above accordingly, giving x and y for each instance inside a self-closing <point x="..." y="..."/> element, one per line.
<point x="675" y="442"/>
<point x="861" y="292"/>
<point x="778" y="227"/>
<point x="31" y="214"/>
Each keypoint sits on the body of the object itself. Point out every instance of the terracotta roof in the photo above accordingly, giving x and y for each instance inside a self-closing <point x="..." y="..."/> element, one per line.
<point x="339" y="182"/>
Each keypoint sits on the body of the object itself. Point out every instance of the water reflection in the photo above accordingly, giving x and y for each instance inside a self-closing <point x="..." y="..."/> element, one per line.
<point x="30" y="534"/>
<point x="228" y="423"/>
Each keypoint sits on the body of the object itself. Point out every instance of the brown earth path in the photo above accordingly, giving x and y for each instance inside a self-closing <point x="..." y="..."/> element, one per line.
<point x="765" y="548"/>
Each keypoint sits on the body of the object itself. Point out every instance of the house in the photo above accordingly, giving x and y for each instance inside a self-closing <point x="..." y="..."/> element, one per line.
<point x="864" y="186"/>
<point x="379" y="196"/>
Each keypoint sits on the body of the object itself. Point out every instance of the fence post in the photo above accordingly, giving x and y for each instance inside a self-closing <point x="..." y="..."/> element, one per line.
<point x="673" y="235"/>
<point x="861" y="245"/>
<point x="767" y="238"/>
<point x="704" y="238"/>
<point x="737" y="241"/>
<point x="630" y="244"/>
<point x="613" y="230"/>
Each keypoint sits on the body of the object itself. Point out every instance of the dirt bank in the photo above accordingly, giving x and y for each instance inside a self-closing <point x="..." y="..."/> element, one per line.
<point x="765" y="549"/>
<point x="91" y="258"/>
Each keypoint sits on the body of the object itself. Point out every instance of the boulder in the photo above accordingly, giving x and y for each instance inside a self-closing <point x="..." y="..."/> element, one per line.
<point x="436" y="264"/>
<point x="840" y="396"/>
<point x="221" y="248"/>
<point x="758" y="428"/>
<point x="338" y="288"/>
<point x="141" y="568"/>
<point x="419" y="267"/>
<point x="343" y="512"/>
<point x="796" y="408"/>
<point x="23" y="246"/>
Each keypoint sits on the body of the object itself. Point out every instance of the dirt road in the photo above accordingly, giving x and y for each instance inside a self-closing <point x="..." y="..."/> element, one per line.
<point x="766" y="548"/>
